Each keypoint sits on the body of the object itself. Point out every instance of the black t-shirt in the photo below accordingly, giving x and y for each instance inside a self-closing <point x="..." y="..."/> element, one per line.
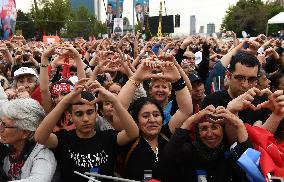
<point x="82" y="155"/>
<point x="222" y="98"/>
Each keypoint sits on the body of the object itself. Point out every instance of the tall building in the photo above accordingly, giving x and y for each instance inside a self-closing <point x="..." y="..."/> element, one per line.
<point x="92" y="5"/>
<point x="201" y="29"/>
<point x="210" y="28"/>
<point x="192" y="25"/>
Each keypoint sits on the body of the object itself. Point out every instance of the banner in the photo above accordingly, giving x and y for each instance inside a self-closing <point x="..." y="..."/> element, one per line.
<point x="8" y="14"/>
<point x="141" y="11"/>
<point x="118" y="26"/>
<point x="114" y="10"/>
<point x="51" y="39"/>
<point x="115" y="7"/>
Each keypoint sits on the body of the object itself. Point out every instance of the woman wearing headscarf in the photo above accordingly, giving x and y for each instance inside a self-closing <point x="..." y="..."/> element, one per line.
<point x="21" y="158"/>
<point x="208" y="156"/>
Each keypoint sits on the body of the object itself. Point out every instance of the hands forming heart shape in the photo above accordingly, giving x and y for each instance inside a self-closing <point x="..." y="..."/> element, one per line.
<point x="92" y="87"/>
<point x="275" y="101"/>
<point x="214" y="115"/>
<point x="157" y="70"/>
<point x="61" y="50"/>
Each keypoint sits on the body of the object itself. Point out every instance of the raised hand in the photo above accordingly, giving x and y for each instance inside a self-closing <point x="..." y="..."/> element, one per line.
<point x="243" y="101"/>
<point x="144" y="71"/>
<point x="234" y="126"/>
<point x="275" y="102"/>
<point x="164" y="56"/>
<point x="104" y="95"/>
<point x="50" y="51"/>
<point x="186" y="42"/>
<point x="199" y="117"/>
<point x="228" y="117"/>
<point x="70" y="51"/>
<point x="261" y="58"/>
<point x="74" y="97"/>
<point x="124" y="64"/>
<point x="169" y="72"/>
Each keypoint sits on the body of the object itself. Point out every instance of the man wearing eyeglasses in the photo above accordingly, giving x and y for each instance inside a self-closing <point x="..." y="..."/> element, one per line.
<point x="242" y="75"/>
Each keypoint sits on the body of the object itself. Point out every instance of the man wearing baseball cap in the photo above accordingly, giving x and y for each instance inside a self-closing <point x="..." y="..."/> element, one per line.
<point x="198" y="90"/>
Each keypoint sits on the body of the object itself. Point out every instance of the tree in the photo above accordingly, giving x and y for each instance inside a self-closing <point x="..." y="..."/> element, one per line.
<point x="25" y="23"/>
<point x="35" y="4"/>
<point x="248" y="15"/>
<point x="251" y="16"/>
<point x="83" y="24"/>
<point x="52" y="17"/>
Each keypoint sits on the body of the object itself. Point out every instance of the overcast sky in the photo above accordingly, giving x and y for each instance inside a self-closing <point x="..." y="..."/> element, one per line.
<point x="206" y="11"/>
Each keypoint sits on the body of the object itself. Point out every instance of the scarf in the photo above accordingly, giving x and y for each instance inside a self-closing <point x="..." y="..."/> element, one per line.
<point x="208" y="154"/>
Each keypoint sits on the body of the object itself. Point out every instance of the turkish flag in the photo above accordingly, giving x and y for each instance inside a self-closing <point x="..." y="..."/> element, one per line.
<point x="272" y="156"/>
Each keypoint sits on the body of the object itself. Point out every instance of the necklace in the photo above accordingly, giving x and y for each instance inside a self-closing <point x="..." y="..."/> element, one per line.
<point x="156" y="150"/>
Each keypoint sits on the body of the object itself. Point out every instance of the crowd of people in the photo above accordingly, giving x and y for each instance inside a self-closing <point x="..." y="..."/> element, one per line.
<point x="184" y="109"/>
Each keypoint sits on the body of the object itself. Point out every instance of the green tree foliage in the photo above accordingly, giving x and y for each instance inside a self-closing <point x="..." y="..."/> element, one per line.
<point x="51" y="15"/>
<point x="26" y="24"/>
<point x="250" y="16"/>
<point x="57" y="17"/>
<point x="83" y="24"/>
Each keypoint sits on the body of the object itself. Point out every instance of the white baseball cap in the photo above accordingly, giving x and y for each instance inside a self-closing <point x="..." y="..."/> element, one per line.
<point x="25" y="71"/>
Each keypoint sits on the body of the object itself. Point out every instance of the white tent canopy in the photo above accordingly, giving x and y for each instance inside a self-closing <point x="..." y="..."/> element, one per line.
<point x="279" y="18"/>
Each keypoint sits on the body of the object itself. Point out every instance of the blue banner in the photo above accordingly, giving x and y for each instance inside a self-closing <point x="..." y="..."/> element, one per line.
<point x="141" y="11"/>
<point x="8" y="13"/>
<point x="117" y="7"/>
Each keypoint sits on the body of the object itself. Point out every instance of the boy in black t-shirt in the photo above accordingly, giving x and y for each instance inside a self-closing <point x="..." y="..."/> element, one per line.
<point x="85" y="149"/>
